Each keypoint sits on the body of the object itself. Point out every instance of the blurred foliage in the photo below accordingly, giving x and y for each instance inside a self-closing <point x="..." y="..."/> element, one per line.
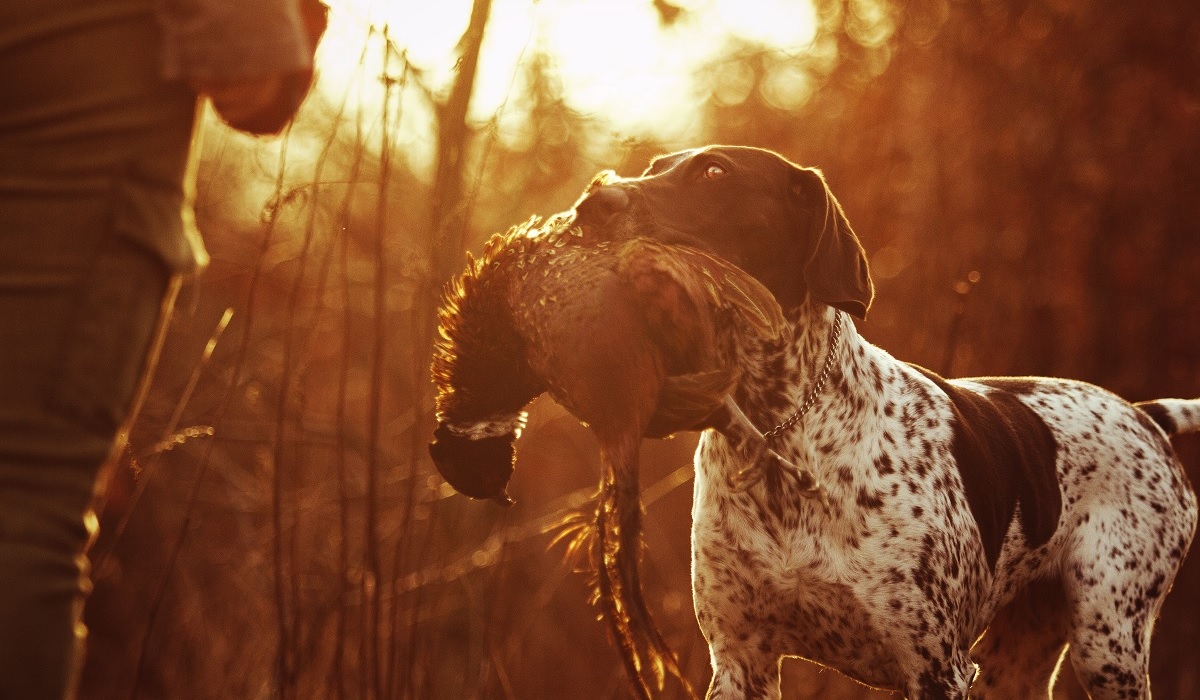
<point x="1025" y="176"/>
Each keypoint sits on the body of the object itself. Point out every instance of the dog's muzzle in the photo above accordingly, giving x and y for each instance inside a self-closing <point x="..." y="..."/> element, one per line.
<point x="601" y="206"/>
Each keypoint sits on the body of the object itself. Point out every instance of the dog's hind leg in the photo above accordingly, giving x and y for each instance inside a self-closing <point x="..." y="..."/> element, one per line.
<point x="1110" y="651"/>
<point x="1021" y="651"/>
<point x="1116" y="581"/>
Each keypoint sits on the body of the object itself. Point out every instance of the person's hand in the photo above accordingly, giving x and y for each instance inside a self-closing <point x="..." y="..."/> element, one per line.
<point x="264" y="105"/>
<point x="315" y="15"/>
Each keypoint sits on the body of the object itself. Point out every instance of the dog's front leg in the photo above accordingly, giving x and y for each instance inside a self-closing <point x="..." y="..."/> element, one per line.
<point x="943" y="679"/>
<point x="745" y="673"/>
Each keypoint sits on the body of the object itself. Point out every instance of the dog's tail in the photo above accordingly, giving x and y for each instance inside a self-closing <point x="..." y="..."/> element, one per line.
<point x="1174" y="416"/>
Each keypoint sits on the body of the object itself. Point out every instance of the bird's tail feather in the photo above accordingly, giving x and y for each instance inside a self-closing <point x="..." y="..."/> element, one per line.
<point x="645" y="654"/>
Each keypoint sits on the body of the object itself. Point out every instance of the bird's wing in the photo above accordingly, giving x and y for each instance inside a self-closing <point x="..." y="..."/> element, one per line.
<point x="687" y="400"/>
<point x="676" y="299"/>
<point x="706" y="281"/>
<point x="736" y="290"/>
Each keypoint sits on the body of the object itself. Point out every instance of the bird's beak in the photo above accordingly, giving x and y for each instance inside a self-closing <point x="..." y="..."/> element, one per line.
<point x="504" y="499"/>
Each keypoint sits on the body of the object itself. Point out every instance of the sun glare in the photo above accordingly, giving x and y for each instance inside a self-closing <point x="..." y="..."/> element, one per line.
<point x="614" y="58"/>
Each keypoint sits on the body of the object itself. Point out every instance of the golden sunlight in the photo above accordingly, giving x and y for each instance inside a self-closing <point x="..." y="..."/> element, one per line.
<point x="615" y="59"/>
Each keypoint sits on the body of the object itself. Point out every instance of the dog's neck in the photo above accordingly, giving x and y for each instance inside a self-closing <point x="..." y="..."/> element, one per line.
<point x="840" y="435"/>
<point x="836" y="441"/>
<point x="781" y="378"/>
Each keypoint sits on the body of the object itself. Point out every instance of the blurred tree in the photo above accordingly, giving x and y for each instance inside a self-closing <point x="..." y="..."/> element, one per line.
<point x="451" y="179"/>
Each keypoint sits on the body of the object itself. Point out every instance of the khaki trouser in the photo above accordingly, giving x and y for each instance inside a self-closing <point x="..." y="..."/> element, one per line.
<point x="93" y="157"/>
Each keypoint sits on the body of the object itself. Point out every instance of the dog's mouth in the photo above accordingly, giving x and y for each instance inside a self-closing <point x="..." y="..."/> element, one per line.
<point x="635" y="221"/>
<point x="673" y="236"/>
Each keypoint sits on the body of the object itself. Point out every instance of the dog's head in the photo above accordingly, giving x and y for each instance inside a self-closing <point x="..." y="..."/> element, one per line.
<point x="777" y="221"/>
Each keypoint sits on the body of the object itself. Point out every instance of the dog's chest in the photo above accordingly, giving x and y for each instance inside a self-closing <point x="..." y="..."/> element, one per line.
<point x="795" y="587"/>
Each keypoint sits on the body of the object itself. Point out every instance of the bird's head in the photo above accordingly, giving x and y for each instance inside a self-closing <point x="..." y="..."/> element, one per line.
<point x="477" y="461"/>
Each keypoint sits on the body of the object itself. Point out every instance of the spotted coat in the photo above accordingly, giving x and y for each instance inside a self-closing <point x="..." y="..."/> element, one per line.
<point x="890" y="581"/>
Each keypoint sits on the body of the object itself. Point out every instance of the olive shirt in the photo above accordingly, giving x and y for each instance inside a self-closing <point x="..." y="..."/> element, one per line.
<point x="86" y="119"/>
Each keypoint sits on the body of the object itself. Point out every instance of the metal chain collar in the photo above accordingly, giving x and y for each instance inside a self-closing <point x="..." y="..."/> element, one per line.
<point x="818" y="385"/>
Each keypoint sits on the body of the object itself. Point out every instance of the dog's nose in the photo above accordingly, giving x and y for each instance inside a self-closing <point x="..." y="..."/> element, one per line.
<point x="601" y="205"/>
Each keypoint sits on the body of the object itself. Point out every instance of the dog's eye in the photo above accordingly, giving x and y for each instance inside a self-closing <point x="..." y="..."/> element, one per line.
<point x="714" y="171"/>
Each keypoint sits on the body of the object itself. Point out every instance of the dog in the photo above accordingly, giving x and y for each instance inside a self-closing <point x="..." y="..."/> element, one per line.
<point x="974" y="532"/>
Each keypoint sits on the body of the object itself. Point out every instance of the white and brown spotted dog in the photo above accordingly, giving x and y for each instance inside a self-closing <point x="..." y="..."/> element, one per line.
<point x="1048" y="513"/>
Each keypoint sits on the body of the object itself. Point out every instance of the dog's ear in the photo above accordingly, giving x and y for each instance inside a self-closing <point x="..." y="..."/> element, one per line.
<point x="836" y="271"/>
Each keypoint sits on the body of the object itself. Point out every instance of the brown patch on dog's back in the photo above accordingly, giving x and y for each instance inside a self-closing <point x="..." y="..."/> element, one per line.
<point x="1005" y="455"/>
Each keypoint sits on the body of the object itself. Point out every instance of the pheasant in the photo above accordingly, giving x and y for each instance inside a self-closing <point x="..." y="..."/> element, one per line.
<point x="636" y="338"/>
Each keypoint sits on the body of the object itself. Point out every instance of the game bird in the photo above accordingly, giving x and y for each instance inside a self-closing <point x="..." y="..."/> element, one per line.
<point x="636" y="338"/>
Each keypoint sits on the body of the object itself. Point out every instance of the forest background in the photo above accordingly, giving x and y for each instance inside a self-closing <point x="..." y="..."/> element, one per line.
<point x="1024" y="174"/>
